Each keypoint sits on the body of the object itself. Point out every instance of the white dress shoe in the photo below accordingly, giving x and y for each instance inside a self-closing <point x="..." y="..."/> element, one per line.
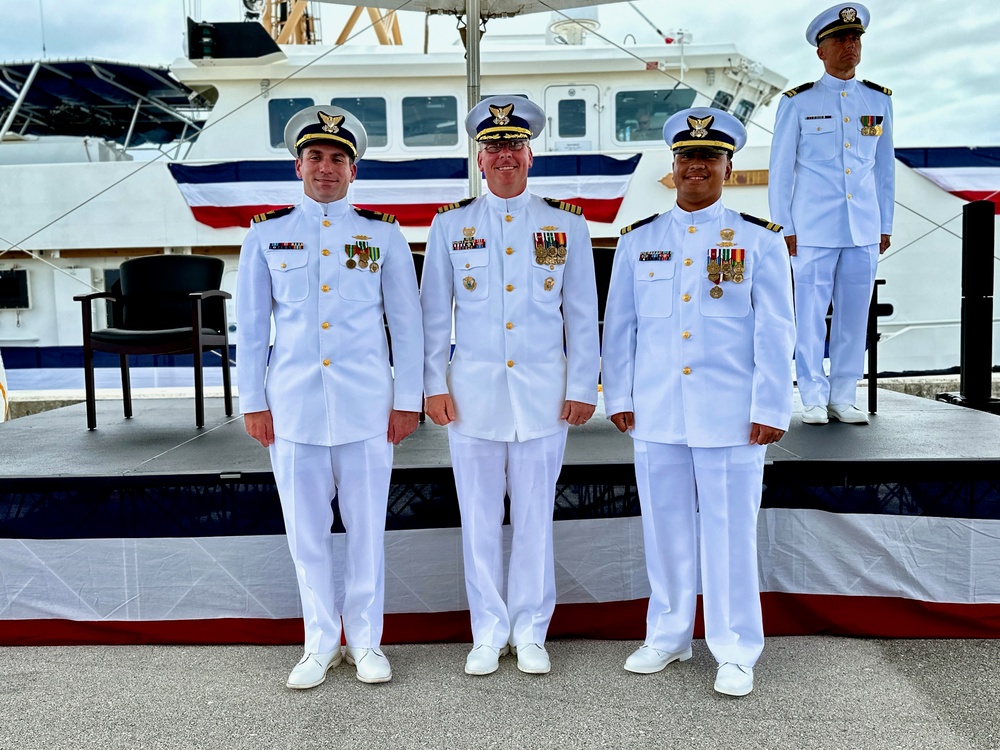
<point x="311" y="669"/>
<point x="532" y="658"/>
<point x="484" y="659"/>
<point x="734" y="679"/>
<point x="815" y="415"/>
<point x="371" y="664"/>
<point x="847" y="413"/>
<point x="646" y="659"/>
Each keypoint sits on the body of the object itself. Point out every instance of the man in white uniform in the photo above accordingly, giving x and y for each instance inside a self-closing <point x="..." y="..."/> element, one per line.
<point x="831" y="186"/>
<point x="519" y="271"/>
<point x="326" y="403"/>
<point x="698" y="337"/>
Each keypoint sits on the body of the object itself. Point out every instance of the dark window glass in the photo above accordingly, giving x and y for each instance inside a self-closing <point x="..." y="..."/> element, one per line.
<point x="639" y="115"/>
<point x="371" y="111"/>
<point x="572" y="118"/>
<point x="430" y="120"/>
<point x="279" y="112"/>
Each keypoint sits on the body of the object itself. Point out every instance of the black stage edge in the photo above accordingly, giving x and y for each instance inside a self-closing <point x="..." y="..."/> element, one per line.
<point x="156" y="475"/>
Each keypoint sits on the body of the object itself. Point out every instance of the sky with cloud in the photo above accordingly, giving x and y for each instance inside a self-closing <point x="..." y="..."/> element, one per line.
<point x="940" y="59"/>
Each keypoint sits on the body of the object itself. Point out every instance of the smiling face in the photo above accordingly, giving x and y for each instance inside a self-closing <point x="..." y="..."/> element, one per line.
<point x="699" y="175"/>
<point x="841" y="54"/>
<point x="326" y="172"/>
<point x="507" y="171"/>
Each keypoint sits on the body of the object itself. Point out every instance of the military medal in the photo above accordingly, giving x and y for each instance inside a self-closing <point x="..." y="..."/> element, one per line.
<point x="727" y="264"/>
<point x="739" y="264"/>
<point x="351" y="263"/>
<point x="373" y="268"/>
<point x="712" y="265"/>
<point x="549" y="284"/>
<point x="871" y="124"/>
<point x="715" y="292"/>
<point x="550" y="247"/>
<point x="469" y="283"/>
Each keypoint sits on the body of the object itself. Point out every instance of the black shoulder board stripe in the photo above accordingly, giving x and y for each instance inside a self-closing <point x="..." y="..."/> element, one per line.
<point x="638" y="224"/>
<point x="800" y="89"/>
<point x="376" y="215"/>
<point x="273" y="214"/>
<point x="878" y="87"/>
<point x="564" y="206"/>
<point x="459" y="204"/>
<point x="762" y="222"/>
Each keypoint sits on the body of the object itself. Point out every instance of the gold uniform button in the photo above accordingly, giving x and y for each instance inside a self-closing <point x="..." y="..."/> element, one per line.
<point x="818" y="128"/>
<point x="510" y="287"/>
<point x="510" y="363"/>
<point x="688" y="261"/>
<point x="686" y="334"/>
<point x="325" y="325"/>
<point x="508" y="218"/>
<point x="847" y="171"/>
<point x="467" y="265"/>
<point x="510" y="326"/>
<point x="686" y="370"/>
<point x="692" y="230"/>
<point x="326" y="222"/>
<point x="282" y="265"/>
<point x="849" y="196"/>
<point x="650" y="274"/>
<point x="843" y="93"/>
<point x="847" y="145"/>
<point x="325" y="288"/>
<point x="510" y="251"/>
<point x="686" y="298"/>
<point x="847" y="119"/>
<point x="325" y="251"/>
<point x="326" y="363"/>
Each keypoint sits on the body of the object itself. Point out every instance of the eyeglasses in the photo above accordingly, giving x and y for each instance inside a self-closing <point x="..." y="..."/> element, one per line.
<point x="496" y="148"/>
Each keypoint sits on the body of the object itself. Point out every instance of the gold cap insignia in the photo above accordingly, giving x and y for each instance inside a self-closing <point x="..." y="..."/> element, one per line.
<point x="360" y="237"/>
<point x="699" y="128"/>
<point x="468" y="231"/>
<point x="331" y="123"/>
<point x="501" y="115"/>
<point x="848" y="15"/>
<point x="727" y="234"/>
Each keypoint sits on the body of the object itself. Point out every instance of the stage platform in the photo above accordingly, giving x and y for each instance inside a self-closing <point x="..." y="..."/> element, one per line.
<point x="149" y="530"/>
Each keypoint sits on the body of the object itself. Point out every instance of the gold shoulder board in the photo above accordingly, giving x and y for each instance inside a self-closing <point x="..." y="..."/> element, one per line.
<point x="273" y="214"/>
<point x="564" y="206"/>
<point x="638" y="224"/>
<point x="799" y="89"/>
<point x="761" y="222"/>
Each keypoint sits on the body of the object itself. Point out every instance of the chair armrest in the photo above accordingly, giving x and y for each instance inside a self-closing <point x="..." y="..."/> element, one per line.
<point x="95" y="295"/>
<point x="211" y="293"/>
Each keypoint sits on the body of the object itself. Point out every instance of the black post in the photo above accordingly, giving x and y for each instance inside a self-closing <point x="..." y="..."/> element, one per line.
<point x="977" y="301"/>
<point x="873" y="348"/>
<point x="978" y="241"/>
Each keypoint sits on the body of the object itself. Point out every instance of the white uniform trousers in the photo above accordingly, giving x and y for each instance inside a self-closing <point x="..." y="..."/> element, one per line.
<point x="715" y="490"/>
<point x="527" y="471"/>
<point x="845" y="276"/>
<point x="308" y="477"/>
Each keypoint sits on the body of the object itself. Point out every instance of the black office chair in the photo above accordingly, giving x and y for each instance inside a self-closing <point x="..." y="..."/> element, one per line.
<point x="167" y="304"/>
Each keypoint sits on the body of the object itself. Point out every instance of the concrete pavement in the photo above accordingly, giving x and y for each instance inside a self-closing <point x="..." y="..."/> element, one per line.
<point x="811" y="693"/>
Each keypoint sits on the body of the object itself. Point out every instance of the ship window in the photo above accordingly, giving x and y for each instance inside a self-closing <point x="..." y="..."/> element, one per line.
<point x="430" y="120"/>
<point x="572" y="118"/>
<point x="639" y="115"/>
<point x="14" y="290"/>
<point x="722" y="100"/>
<point x="371" y="111"/>
<point x="743" y="110"/>
<point x="279" y="112"/>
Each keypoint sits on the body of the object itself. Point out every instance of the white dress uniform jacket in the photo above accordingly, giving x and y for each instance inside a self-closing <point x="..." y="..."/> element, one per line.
<point x="832" y="170"/>
<point x="328" y="381"/>
<point x="509" y="376"/>
<point x="695" y="369"/>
